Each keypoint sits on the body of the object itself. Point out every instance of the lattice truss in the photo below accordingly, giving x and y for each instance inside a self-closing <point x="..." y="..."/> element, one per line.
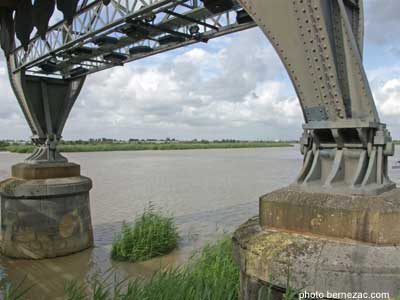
<point x="104" y="34"/>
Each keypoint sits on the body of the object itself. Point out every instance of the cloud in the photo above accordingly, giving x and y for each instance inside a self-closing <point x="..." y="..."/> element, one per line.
<point x="232" y="87"/>
<point x="388" y="97"/>
<point x="238" y="85"/>
<point x="382" y="24"/>
<point x="11" y="118"/>
<point x="382" y="21"/>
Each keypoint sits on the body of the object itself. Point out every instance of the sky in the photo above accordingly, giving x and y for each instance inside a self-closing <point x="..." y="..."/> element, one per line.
<point x="233" y="87"/>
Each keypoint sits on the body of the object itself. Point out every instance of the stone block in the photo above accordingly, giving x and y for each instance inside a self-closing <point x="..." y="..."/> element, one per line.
<point x="316" y="263"/>
<point x="371" y="219"/>
<point x="44" y="218"/>
<point x="51" y="170"/>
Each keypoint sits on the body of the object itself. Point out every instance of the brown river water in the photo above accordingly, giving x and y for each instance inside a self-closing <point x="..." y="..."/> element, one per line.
<point x="210" y="192"/>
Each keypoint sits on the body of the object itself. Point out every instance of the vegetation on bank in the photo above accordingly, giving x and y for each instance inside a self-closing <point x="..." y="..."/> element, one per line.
<point x="13" y="292"/>
<point x="211" y="274"/>
<point x="152" y="234"/>
<point x="137" y="146"/>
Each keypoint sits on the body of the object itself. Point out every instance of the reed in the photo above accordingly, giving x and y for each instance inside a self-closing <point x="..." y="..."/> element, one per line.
<point x="152" y="234"/>
<point x="9" y="291"/>
<point x="211" y="274"/>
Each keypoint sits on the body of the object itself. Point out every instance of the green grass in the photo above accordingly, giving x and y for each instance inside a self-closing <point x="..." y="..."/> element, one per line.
<point x="19" y="148"/>
<point x="211" y="274"/>
<point x="96" y="147"/>
<point x="9" y="291"/>
<point x="152" y="234"/>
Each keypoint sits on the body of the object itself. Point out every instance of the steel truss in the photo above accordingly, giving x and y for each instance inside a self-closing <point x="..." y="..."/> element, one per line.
<point x="102" y="36"/>
<point x="320" y="43"/>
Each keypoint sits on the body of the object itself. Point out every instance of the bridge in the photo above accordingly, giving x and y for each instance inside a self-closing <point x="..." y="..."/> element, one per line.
<point x="101" y="36"/>
<point x="320" y="43"/>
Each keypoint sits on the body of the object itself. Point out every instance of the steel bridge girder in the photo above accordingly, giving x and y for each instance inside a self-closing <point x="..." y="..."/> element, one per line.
<point x="320" y="44"/>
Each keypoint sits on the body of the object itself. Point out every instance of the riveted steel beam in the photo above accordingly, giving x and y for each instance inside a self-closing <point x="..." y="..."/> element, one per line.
<point x="68" y="46"/>
<point x="46" y="104"/>
<point x="320" y="43"/>
<point x="47" y="71"/>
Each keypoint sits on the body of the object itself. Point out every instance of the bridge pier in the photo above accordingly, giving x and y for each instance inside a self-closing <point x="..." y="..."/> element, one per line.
<point x="45" y="207"/>
<point x="45" y="211"/>
<point x="322" y="242"/>
<point x="335" y="229"/>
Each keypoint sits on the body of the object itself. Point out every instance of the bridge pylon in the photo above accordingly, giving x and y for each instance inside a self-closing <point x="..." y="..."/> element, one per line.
<point x="335" y="228"/>
<point x="45" y="204"/>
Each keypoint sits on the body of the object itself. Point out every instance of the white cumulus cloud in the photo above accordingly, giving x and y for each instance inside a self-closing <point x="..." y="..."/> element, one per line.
<point x="233" y="87"/>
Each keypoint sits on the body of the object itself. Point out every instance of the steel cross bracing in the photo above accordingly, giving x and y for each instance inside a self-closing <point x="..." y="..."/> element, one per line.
<point x="103" y="36"/>
<point x="320" y="43"/>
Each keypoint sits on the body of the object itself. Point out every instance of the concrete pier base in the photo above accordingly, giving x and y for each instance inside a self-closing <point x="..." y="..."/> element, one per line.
<point x="328" y="243"/>
<point x="45" y="211"/>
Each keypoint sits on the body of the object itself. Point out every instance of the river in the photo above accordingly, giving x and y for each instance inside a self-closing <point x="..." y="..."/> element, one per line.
<point x="210" y="192"/>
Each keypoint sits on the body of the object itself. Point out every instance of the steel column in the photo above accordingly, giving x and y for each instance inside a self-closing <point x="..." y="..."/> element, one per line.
<point x="46" y="104"/>
<point x="320" y="43"/>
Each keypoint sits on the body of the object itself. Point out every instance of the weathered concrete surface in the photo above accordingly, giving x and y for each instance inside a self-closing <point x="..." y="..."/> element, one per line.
<point x="253" y="288"/>
<point x="316" y="263"/>
<point x="372" y="219"/>
<point x="45" y="170"/>
<point x="43" y="218"/>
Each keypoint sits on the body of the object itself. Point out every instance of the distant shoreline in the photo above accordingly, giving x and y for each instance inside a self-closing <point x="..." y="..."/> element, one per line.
<point x="106" y="147"/>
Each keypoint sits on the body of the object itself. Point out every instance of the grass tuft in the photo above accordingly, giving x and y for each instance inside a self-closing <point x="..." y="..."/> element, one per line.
<point x="151" y="235"/>
<point x="9" y="291"/>
<point x="211" y="275"/>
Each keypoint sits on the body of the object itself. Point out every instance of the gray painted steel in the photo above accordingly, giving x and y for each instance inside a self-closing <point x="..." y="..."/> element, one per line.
<point x="320" y="42"/>
<point x="46" y="103"/>
<point x="120" y="25"/>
